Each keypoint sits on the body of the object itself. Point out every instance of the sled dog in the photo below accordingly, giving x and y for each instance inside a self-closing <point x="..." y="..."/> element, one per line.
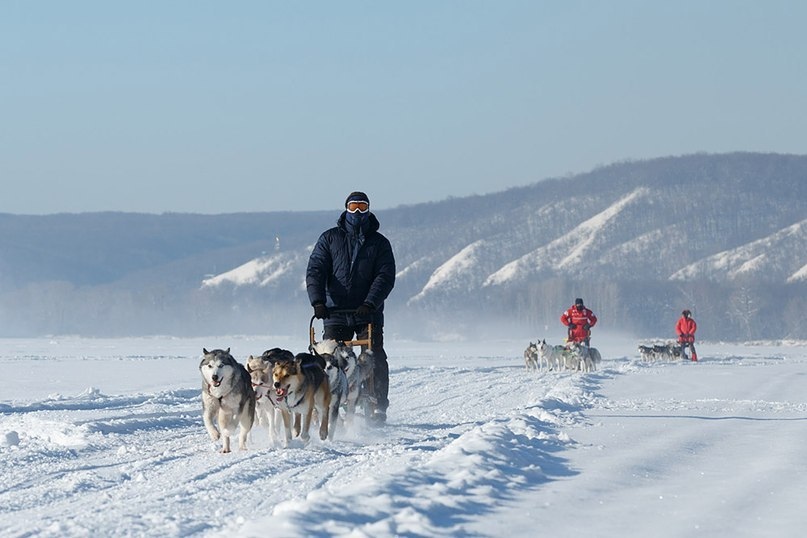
<point x="531" y="357"/>
<point x="676" y="351"/>
<point x="360" y="378"/>
<point x="596" y="357"/>
<point x="663" y="351"/>
<point x="354" y="373"/>
<point x="582" y="357"/>
<point x="226" y="392"/>
<point x="334" y="354"/>
<point x="552" y="356"/>
<point x="570" y="358"/>
<point x="266" y="405"/>
<point x="646" y="352"/>
<point x="301" y="387"/>
<point x="365" y="397"/>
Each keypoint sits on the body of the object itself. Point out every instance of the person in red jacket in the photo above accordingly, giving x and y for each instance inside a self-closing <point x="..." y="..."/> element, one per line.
<point x="579" y="320"/>
<point x="686" y="328"/>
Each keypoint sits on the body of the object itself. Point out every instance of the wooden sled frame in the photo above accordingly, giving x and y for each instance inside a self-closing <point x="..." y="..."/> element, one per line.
<point x="364" y="342"/>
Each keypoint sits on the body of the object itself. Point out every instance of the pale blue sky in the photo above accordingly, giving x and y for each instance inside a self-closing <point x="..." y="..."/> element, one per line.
<point x="212" y="107"/>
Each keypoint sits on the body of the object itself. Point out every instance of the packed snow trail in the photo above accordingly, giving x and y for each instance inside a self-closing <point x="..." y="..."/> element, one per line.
<point x="94" y="464"/>
<point x="474" y="446"/>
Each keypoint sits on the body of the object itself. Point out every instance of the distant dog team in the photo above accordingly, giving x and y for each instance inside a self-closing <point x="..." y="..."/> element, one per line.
<point x="574" y="356"/>
<point x="663" y="351"/>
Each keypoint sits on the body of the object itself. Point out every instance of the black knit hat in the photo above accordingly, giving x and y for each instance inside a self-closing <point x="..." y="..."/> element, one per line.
<point x="357" y="196"/>
<point x="578" y="301"/>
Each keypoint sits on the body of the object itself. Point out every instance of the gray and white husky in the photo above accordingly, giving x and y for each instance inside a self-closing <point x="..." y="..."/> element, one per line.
<point x="226" y="394"/>
<point x="365" y="364"/>
<point x="586" y="358"/>
<point x="596" y="357"/>
<point x="551" y="356"/>
<point x="336" y="355"/>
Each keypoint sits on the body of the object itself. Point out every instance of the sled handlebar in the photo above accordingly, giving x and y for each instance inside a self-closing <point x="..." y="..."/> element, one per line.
<point x="358" y="342"/>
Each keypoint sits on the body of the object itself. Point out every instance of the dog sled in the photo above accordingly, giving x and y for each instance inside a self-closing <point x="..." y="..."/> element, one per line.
<point x="359" y="369"/>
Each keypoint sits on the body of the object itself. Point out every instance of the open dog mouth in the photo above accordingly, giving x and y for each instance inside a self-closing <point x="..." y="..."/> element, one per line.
<point x="281" y="393"/>
<point x="216" y="382"/>
<point x="260" y="390"/>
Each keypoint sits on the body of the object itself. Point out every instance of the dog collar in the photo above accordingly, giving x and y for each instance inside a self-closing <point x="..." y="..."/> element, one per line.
<point x="296" y="404"/>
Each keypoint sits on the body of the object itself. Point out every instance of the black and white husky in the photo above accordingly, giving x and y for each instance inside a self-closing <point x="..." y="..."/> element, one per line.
<point x="531" y="357"/>
<point x="226" y="394"/>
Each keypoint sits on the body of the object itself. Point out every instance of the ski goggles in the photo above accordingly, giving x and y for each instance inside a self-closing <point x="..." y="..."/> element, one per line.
<point x="358" y="207"/>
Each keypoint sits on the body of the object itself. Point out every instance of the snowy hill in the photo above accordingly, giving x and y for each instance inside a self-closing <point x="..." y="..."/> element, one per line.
<point x="622" y="233"/>
<point x="781" y="256"/>
<point x="570" y="253"/>
<point x="271" y="270"/>
<point x="663" y="224"/>
<point x="640" y="240"/>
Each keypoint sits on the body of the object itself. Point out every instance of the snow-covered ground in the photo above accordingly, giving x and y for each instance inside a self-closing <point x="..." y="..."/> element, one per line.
<point x="105" y="438"/>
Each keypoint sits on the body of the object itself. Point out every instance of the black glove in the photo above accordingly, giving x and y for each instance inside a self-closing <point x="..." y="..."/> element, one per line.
<point x="586" y="326"/>
<point x="572" y="326"/>
<point x="364" y="310"/>
<point x="321" y="311"/>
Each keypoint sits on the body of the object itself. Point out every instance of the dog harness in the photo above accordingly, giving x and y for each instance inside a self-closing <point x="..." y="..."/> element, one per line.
<point x="258" y="397"/>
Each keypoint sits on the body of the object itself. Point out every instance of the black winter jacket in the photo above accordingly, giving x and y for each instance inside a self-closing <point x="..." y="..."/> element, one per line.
<point x="330" y="278"/>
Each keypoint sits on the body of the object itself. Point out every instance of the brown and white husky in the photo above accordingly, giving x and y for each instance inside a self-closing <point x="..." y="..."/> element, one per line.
<point x="301" y="387"/>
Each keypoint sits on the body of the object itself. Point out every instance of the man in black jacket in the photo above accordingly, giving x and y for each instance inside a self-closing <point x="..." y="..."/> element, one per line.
<point x="352" y="268"/>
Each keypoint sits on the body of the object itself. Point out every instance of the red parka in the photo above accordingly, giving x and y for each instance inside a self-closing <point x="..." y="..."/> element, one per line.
<point x="686" y="328"/>
<point x="582" y="319"/>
